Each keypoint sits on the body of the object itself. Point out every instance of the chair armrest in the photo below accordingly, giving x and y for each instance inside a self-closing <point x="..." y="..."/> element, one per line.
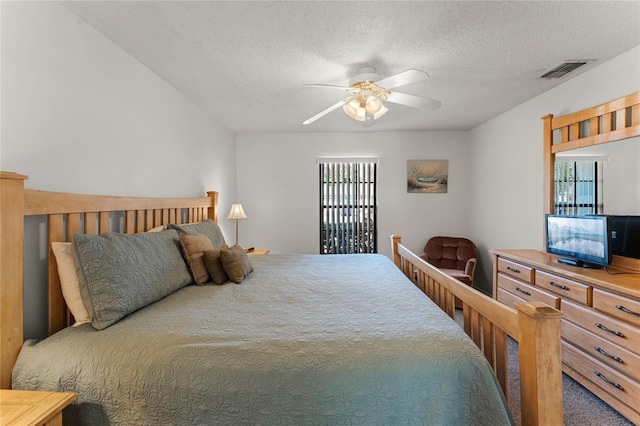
<point x="470" y="267"/>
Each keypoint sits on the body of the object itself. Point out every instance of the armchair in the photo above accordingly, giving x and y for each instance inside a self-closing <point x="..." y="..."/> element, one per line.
<point x="455" y="256"/>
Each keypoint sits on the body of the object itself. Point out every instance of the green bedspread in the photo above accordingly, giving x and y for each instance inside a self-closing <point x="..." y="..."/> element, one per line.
<point x="303" y="340"/>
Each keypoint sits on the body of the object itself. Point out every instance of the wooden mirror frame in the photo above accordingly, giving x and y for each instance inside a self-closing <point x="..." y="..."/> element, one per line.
<point x="609" y="122"/>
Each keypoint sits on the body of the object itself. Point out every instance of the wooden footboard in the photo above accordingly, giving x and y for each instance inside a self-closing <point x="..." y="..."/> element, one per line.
<point x="534" y="325"/>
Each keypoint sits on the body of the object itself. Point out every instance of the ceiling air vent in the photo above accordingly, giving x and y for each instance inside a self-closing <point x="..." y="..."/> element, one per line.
<point x="564" y="69"/>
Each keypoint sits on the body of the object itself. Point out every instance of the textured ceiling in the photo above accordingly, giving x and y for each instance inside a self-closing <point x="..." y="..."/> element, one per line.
<point x="246" y="62"/>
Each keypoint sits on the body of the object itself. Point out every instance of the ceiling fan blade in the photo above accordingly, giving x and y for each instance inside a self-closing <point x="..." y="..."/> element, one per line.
<point x="403" y="78"/>
<point x="413" y="101"/>
<point x="327" y="86"/>
<point x="326" y="111"/>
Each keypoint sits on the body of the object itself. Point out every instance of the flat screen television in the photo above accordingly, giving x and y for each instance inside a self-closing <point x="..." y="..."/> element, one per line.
<point x="579" y="240"/>
<point x="625" y="235"/>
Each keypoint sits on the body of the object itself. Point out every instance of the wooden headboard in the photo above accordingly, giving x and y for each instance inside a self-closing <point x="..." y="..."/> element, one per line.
<point x="612" y="121"/>
<point x="66" y="215"/>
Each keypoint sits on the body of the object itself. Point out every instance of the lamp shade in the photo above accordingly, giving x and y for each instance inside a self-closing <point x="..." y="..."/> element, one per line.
<point x="236" y="212"/>
<point x="373" y="104"/>
<point x="380" y="113"/>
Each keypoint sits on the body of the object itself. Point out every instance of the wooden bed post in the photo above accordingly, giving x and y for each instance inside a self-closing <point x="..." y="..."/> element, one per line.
<point x="395" y="240"/>
<point x="213" y="210"/>
<point x="11" y="271"/>
<point x="540" y="373"/>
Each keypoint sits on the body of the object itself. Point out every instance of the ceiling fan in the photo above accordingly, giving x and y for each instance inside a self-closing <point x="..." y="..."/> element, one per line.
<point x="368" y="93"/>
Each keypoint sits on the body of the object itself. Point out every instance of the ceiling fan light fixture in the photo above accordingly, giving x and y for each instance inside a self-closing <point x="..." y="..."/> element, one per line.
<point x="373" y="104"/>
<point x="355" y="109"/>
<point x="383" y="110"/>
<point x="351" y="108"/>
<point x="369" y="94"/>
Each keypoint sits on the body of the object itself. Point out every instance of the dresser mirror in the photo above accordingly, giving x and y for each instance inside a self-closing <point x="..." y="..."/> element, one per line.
<point x="620" y="173"/>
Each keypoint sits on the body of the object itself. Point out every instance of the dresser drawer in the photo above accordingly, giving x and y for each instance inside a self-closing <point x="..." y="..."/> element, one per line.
<point x="622" y="388"/>
<point x="517" y="270"/>
<point x="619" y="332"/>
<point x="624" y="361"/>
<point x="527" y="292"/>
<point x="565" y="287"/>
<point x="621" y="307"/>
<point x="508" y="298"/>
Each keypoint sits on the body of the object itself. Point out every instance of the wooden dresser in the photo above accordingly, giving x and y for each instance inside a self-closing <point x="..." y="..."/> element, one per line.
<point x="600" y="329"/>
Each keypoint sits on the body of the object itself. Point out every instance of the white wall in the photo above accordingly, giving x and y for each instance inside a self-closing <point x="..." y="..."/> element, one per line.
<point x="278" y="186"/>
<point x="506" y="152"/>
<point x="81" y="115"/>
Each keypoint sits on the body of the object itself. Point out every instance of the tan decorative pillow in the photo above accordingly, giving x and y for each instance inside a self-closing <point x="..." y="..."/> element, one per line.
<point x="193" y="248"/>
<point x="236" y="263"/>
<point x="70" y="282"/>
<point x="213" y="261"/>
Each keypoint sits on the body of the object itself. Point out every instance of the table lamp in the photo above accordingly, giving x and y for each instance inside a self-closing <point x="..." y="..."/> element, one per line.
<point x="236" y="213"/>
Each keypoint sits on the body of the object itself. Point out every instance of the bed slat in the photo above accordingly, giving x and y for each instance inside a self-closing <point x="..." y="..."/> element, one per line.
<point x="130" y="222"/>
<point x="73" y="225"/>
<point x="55" y="225"/>
<point x="149" y="219"/>
<point x="103" y="222"/>
<point x="90" y="223"/>
<point x="500" y="364"/>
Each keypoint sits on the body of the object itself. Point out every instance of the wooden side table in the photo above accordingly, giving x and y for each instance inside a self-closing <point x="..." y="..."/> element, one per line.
<point x="259" y="251"/>
<point x="33" y="408"/>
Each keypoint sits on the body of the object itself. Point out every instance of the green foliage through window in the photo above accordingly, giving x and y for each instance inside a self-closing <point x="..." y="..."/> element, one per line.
<point x="348" y="208"/>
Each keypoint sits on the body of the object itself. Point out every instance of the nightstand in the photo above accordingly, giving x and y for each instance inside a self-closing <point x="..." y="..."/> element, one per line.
<point x="33" y="408"/>
<point x="259" y="251"/>
<point x="253" y="250"/>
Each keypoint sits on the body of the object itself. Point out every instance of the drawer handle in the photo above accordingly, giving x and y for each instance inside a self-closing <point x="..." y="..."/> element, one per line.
<point x="613" y="357"/>
<point x="602" y="327"/>
<point x="619" y="386"/>
<point x="627" y="311"/>
<point x="560" y="286"/>
<point x="523" y="291"/>
<point x="509" y="268"/>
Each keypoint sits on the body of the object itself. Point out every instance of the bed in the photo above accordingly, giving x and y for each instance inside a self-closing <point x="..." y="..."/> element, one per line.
<point x="301" y="339"/>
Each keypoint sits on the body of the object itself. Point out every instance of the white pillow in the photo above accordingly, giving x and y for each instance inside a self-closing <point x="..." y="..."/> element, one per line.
<point x="157" y="229"/>
<point x="69" y="282"/>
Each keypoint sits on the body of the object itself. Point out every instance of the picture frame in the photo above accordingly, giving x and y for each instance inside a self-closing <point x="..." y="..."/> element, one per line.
<point x="427" y="176"/>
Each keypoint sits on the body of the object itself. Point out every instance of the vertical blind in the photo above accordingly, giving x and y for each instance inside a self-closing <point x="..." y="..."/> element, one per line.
<point x="578" y="187"/>
<point x="348" y="207"/>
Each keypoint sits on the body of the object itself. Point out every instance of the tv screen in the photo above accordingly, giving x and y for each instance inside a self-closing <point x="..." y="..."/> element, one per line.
<point x="579" y="240"/>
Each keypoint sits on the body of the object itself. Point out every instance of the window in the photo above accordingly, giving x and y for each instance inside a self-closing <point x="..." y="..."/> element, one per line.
<point x="348" y="206"/>
<point x="578" y="187"/>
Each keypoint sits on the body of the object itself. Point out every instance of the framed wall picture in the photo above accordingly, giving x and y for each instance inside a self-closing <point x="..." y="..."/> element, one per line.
<point x="427" y="176"/>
